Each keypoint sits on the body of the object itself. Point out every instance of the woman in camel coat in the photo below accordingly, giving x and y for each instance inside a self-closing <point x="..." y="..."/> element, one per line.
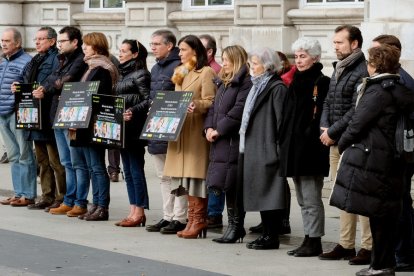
<point x="187" y="158"/>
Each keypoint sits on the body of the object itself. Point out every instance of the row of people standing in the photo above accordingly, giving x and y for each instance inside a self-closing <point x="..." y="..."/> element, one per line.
<point x="278" y="128"/>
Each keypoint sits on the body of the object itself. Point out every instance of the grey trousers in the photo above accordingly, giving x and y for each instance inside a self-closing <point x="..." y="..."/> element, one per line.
<point x="309" y="196"/>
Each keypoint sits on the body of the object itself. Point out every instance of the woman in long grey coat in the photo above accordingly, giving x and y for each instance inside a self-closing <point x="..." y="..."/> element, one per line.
<point x="263" y="189"/>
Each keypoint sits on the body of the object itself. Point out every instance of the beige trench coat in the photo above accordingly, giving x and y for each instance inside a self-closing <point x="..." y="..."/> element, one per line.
<point x="188" y="156"/>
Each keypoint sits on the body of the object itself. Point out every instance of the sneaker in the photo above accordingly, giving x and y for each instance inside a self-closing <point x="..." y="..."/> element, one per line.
<point x="76" y="211"/>
<point x="362" y="258"/>
<point x="338" y="253"/>
<point x="4" y="159"/>
<point x="61" y="210"/>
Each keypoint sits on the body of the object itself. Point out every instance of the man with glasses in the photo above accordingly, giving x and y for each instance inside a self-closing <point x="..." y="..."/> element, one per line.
<point x="71" y="68"/>
<point x="20" y="151"/>
<point x="174" y="208"/>
<point x="52" y="173"/>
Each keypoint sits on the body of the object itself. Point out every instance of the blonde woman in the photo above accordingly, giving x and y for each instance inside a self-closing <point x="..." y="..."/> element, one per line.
<point x="222" y="131"/>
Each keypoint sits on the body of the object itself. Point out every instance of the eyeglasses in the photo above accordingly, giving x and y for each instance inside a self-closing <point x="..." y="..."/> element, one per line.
<point x="40" y="38"/>
<point x="62" y="40"/>
<point x="154" y="44"/>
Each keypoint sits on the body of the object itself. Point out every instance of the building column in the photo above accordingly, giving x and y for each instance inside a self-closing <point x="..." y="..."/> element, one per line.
<point x="396" y="19"/>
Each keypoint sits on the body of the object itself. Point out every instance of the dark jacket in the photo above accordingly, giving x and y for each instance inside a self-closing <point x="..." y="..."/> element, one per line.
<point x="302" y="153"/>
<point x="337" y="109"/>
<point x="84" y="135"/>
<point x="11" y="70"/>
<point x="369" y="178"/>
<point x="161" y="74"/>
<point x="39" y="69"/>
<point x="134" y="86"/>
<point x="263" y="188"/>
<point x="71" y="69"/>
<point x="225" y="116"/>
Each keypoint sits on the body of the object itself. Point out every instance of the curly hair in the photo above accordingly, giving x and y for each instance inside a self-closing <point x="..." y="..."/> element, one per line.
<point x="384" y="58"/>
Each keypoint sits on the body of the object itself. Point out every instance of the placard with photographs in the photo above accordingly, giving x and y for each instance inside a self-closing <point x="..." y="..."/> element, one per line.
<point x="167" y="115"/>
<point x="28" y="109"/>
<point x="75" y="105"/>
<point x="108" y="121"/>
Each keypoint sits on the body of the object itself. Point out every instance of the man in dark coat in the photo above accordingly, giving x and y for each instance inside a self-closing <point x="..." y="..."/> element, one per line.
<point x="52" y="173"/>
<point x="71" y="68"/>
<point x="174" y="208"/>
<point x="337" y="112"/>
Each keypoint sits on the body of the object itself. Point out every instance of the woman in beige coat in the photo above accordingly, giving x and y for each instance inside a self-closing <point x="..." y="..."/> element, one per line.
<point x="187" y="158"/>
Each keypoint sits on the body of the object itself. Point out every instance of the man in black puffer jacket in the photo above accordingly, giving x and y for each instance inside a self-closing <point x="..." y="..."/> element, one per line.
<point x="337" y="112"/>
<point x="174" y="208"/>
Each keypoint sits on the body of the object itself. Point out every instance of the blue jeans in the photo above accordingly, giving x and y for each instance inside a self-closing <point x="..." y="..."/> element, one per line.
<point x="77" y="176"/>
<point x="215" y="205"/>
<point x="21" y="157"/>
<point x="133" y="161"/>
<point x="95" y="160"/>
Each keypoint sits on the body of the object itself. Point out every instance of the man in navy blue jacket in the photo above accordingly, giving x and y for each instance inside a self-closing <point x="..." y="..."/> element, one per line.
<point x="19" y="151"/>
<point x="174" y="208"/>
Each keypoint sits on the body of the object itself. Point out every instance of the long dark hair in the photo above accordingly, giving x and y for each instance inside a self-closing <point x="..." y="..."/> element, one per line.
<point x="195" y="43"/>
<point x="136" y="47"/>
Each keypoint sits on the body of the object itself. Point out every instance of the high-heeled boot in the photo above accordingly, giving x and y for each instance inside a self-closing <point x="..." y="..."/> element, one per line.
<point x="190" y="217"/>
<point x="235" y="231"/>
<point x="199" y="223"/>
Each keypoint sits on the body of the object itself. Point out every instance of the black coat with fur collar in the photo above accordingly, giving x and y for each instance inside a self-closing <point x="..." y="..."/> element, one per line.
<point x="302" y="153"/>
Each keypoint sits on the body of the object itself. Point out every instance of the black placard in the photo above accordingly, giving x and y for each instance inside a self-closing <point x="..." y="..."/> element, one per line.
<point x="167" y="115"/>
<point x="108" y="122"/>
<point x="75" y="105"/>
<point x="28" y="109"/>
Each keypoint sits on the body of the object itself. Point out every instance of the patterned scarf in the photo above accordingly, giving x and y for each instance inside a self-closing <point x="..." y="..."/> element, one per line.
<point x="95" y="61"/>
<point x="342" y="64"/>
<point x="259" y="84"/>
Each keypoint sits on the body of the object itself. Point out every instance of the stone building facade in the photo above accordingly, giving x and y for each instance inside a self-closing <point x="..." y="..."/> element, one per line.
<point x="250" y="23"/>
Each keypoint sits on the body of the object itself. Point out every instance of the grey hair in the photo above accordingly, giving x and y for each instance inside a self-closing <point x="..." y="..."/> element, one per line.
<point x="309" y="45"/>
<point x="51" y="33"/>
<point x="17" y="36"/>
<point x="268" y="58"/>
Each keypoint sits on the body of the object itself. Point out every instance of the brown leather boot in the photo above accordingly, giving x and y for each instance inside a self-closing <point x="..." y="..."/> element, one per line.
<point x="190" y="216"/>
<point x="199" y="225"/>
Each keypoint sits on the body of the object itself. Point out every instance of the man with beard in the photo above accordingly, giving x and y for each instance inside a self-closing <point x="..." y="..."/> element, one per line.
<point x="337" y="112"/>
<point x="71" y="68"/>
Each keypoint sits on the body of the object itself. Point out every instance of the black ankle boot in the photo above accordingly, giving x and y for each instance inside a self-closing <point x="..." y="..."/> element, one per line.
<point x="304" y="243"/>
<point x="312" y="248"/>
<point x="264" y="242"/>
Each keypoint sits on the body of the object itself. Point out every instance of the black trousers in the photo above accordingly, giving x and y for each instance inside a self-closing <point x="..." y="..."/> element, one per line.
<point x="384" y="232"/>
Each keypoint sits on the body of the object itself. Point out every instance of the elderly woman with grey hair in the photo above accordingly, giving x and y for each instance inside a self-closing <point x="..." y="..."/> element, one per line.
<point x="303" y="157"/>
<point x="263" y="189"/>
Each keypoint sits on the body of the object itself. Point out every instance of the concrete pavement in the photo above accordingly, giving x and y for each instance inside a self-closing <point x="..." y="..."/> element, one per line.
<point x="201" y="254"/>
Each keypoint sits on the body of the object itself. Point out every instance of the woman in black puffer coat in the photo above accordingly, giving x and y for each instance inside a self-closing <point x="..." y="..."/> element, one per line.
<point x="222" y="130"/>
<point x="134" y="86"/>
<point x="369" y="179"/>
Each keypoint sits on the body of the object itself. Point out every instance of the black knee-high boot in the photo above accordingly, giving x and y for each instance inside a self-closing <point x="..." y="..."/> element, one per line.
<point x="235" y="230"/>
